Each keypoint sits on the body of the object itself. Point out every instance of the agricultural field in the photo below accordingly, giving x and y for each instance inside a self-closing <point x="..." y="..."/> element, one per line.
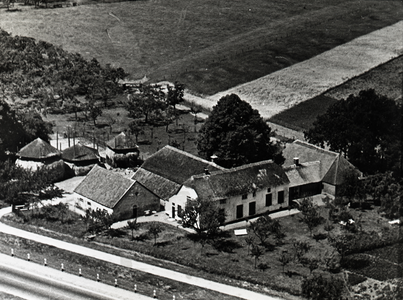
<point x="210" y="46"/>
<point x="385" y="79"/>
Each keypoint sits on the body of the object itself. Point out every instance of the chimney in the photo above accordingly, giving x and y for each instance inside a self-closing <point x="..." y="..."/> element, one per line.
<point x="296" y="161"/>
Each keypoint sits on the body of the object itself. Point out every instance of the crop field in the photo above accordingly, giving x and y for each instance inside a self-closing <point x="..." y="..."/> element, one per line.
<point x="385" y="79"/>
<point x="210" y="45"/>
<point x="283" y="89"/>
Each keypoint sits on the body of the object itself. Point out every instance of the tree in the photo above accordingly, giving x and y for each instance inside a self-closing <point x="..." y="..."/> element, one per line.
<point x="155" y="230"/>
<point x="203" y="215"/>
<point x="175" y="95"/>
<point x="92" y="111"/>
<point x="133" y="226"/>
<point x="300" y="248"/>
<point x="237" y="134"/>
<point x="366" y="128"/>
<point x="284" y="259"/>
<point x="136" y="129"/>
<point x="146" y="100"/>
<point x="318" y="287"/>
<point x="265" y="226"/>
<point x="386" y="191"/>
<point x="34" y="125"/>
<point x="256" y="252"/>
<point x="20" y="186"/>
<point x="352" y="187"/>
<point x="310" y="214"/>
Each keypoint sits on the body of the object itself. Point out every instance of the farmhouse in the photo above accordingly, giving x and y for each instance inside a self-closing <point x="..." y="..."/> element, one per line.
<point x="241" y="192"/>
<point x="330" y="167"/>
<point x="110" y="191"/>
<point x="165" y="171"/>
<point x="122" y="151"/>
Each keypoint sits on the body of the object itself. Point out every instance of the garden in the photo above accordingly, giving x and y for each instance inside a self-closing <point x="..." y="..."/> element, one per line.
<point x="277" y="262"/>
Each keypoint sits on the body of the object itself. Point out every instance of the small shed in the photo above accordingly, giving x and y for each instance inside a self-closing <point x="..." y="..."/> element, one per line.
<point x="122" y="151"/>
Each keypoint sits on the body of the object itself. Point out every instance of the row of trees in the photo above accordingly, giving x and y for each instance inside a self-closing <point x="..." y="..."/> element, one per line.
<point x="367" y="129"/>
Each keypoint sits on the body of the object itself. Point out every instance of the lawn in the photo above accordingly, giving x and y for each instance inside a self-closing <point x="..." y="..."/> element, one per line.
<point x="208" y="45"/>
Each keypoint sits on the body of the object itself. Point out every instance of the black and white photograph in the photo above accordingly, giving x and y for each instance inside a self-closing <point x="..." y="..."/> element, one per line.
<point x="201" y="150"/>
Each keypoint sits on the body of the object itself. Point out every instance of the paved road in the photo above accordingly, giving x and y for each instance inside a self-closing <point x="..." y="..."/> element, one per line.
<point x="29" y="280"/>
<point x="158" y="271"/>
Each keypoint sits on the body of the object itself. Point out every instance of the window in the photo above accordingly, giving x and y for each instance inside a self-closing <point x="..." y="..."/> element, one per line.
<point x="179" y="210"/>
<point x="239" y="211"/>
<point x="223" y="201"/>
<point x="244" y="196"/>
<point x="280" y="197"/>
<point x="254" y="194"/>
<point x="252" y="208"/>
<point x="269" y="190"/>
<point x="269" y="200"/>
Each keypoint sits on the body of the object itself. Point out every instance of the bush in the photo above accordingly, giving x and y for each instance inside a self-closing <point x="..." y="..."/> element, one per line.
<point x="318" y="287"/>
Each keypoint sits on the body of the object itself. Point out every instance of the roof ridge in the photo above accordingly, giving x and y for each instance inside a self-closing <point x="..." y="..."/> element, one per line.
<point x="191" y="156"/>
<point x="308" y="163"/>
<point x="315" y="146"/>
<point x="218" y="172"/>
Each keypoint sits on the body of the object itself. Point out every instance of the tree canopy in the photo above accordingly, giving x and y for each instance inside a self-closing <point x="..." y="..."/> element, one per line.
<point x="366" y="128"/>
<point x="237" y="134"/>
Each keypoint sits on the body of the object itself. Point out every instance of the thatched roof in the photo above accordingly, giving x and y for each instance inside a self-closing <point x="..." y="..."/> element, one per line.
<point x="336" y="172"/>
<point x="122" y="142"/>
<point x="79" y="153"/>
<point x="160" y="186"/>
<point x="176" y="165"/>
<point x="238" y="181"/>
<point x="332" y="164"/>
<point x="303" y="173"/>
<point x="38" y="149"/>
<point x="104" y="187"/>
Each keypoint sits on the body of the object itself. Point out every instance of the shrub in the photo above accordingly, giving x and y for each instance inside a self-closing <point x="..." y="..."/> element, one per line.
<point x="318" y="287"/>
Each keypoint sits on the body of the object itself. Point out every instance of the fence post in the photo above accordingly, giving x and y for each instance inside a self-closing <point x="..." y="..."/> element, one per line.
<point x="28" y="257"/>
<point x="116" y="282"/>
<point x="154" y="294"/>
<point x="44" y="262"/>
<point x="98" y="277"/>
<point x="135" y="288"/>
<point x="12" y="252"/>
<point x="79" y="272"/>
<point x="62" y="267"/>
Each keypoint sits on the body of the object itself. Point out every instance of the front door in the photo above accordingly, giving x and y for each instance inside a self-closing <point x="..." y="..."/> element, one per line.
<point x="252" y="208"/>
<point x="134" y="211"/>
<point x="239" y="211"/>
<point x="173" y="210"/>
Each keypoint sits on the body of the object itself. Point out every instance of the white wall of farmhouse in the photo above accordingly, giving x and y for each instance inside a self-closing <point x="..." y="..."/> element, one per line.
<point x="237" y="207"/>
<point x="84" y="203"/>
<point x="178" y="201"/>
<point x="248" y="205"/>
